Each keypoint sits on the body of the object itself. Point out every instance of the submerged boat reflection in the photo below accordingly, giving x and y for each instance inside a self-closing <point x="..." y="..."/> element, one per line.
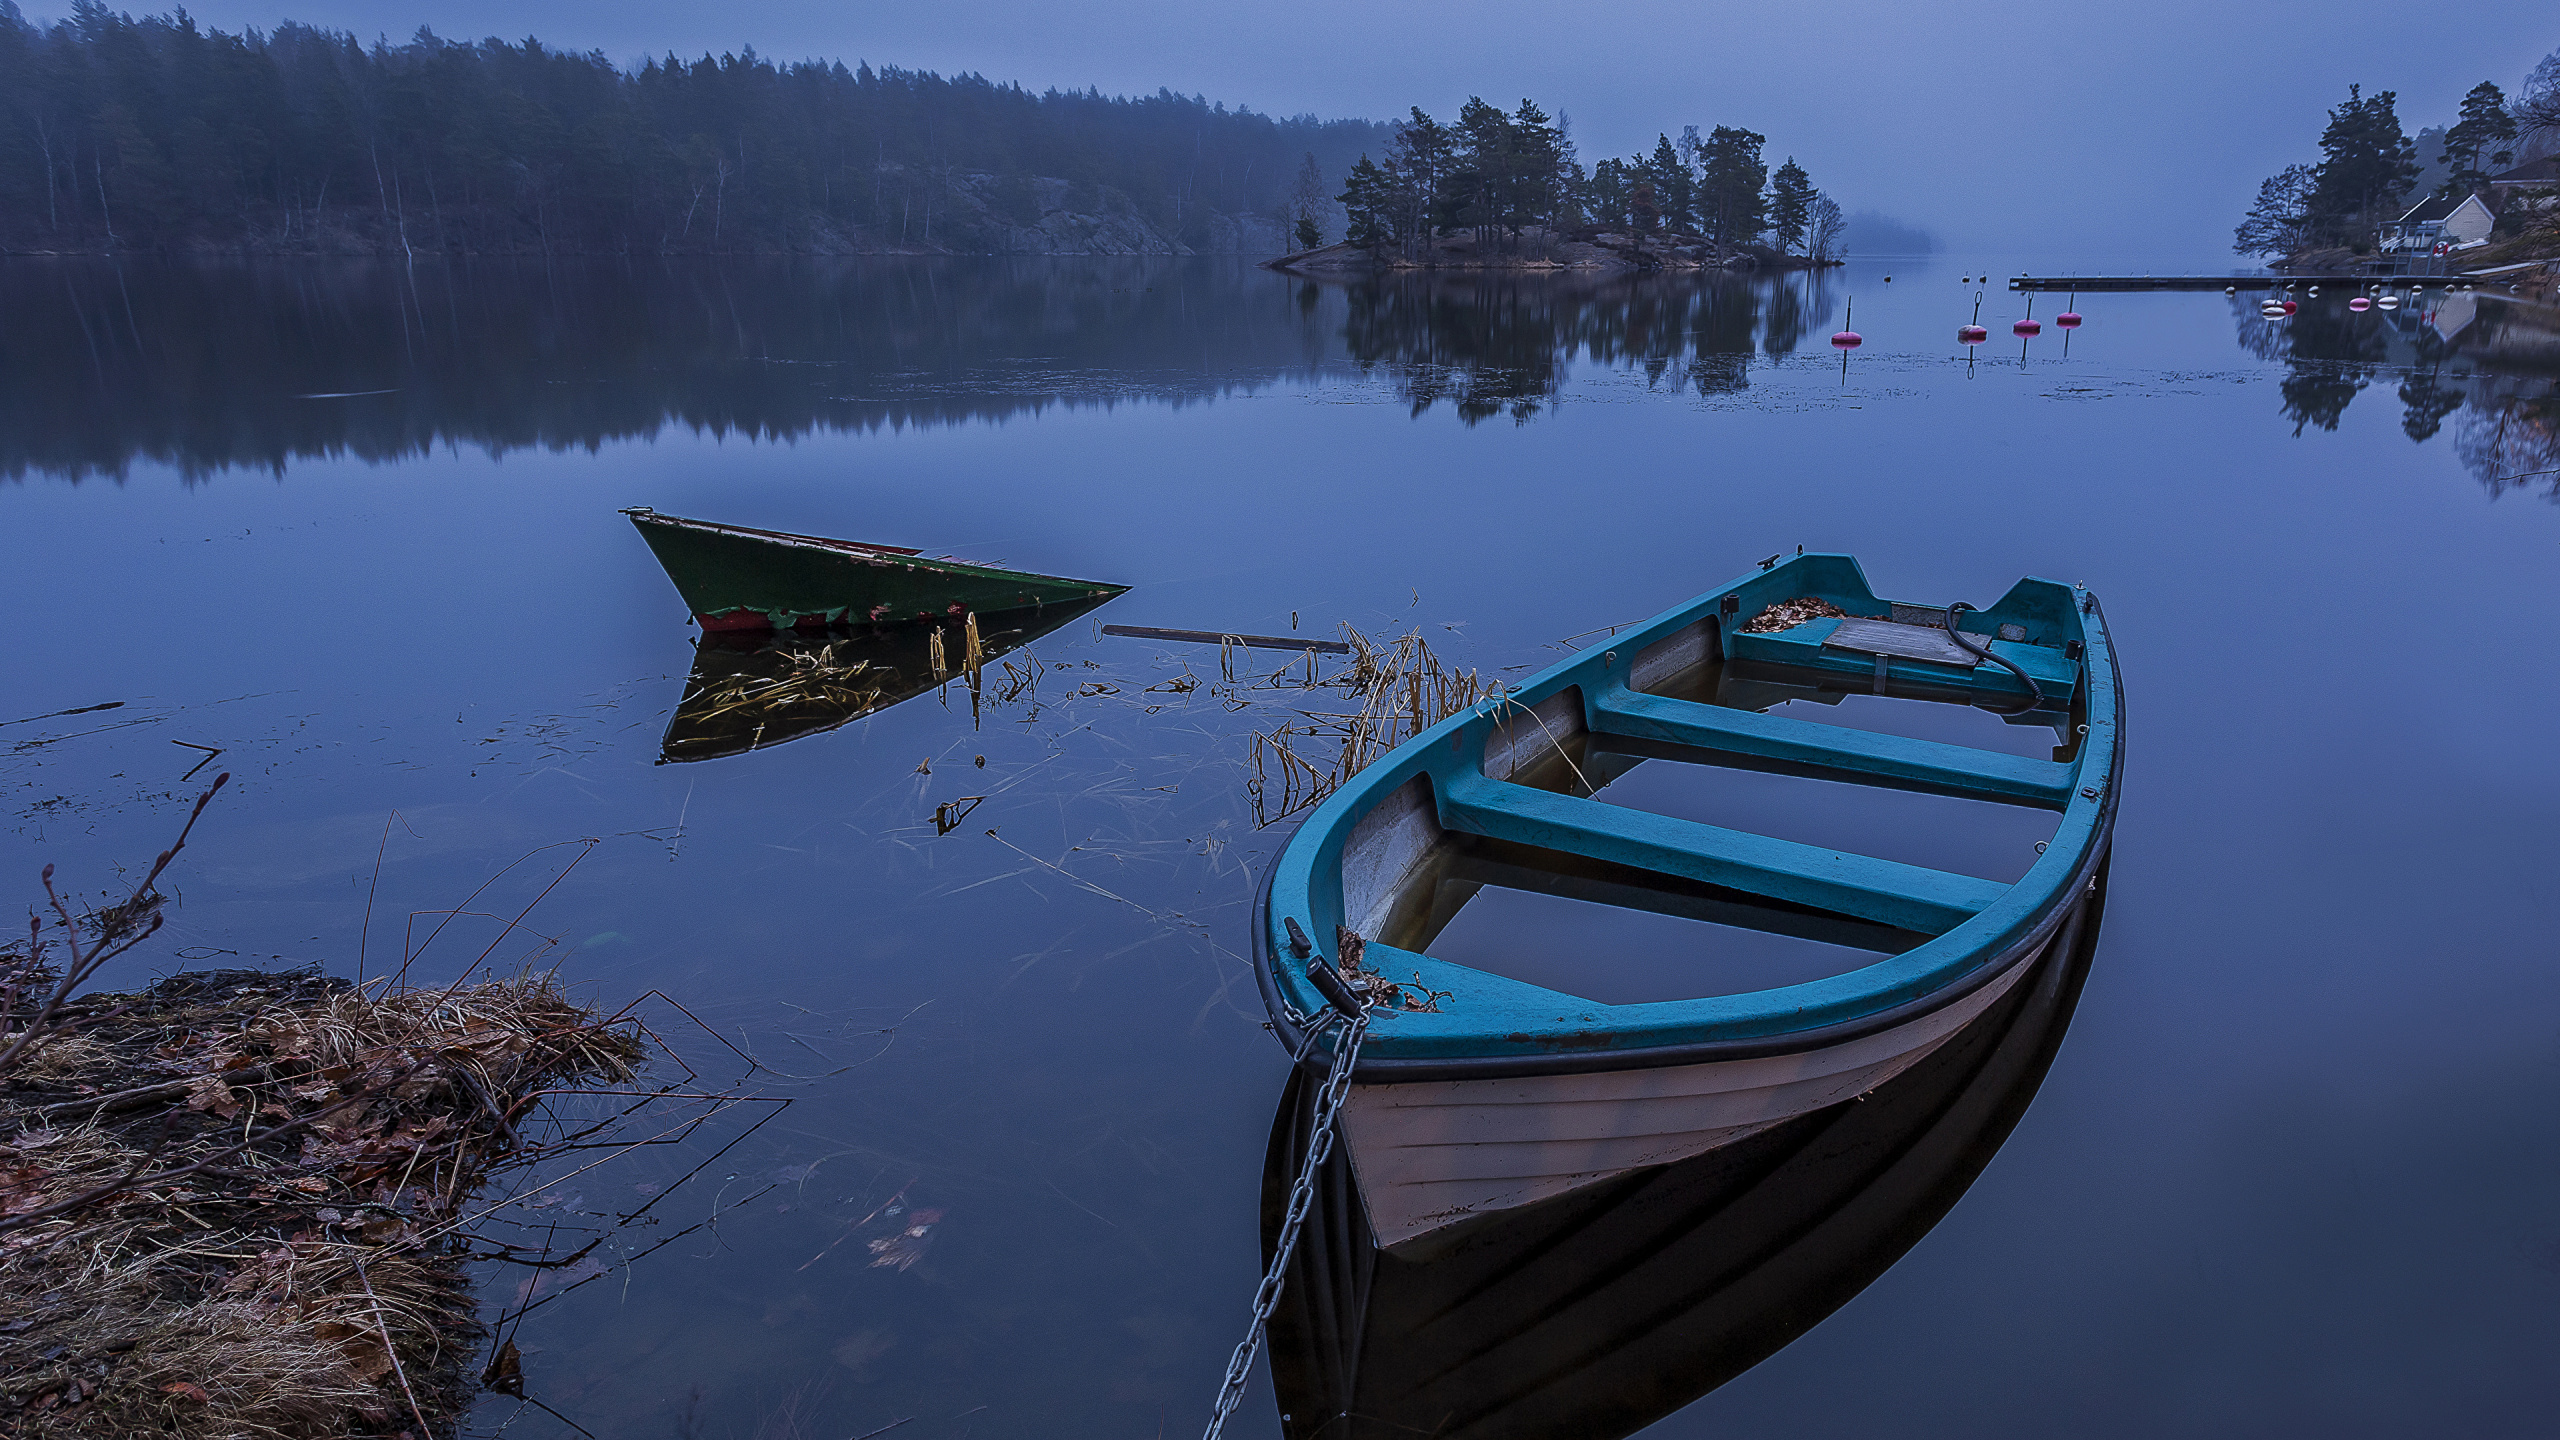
<point x="1595" y="1313"/>
<point x="754" y="690"/>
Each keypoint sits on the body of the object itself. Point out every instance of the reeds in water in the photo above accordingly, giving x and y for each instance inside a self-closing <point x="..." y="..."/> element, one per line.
<point x="1402" y="688"/>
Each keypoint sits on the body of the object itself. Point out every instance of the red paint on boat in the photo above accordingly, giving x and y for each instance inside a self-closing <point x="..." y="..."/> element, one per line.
<point x="734" y="620"/>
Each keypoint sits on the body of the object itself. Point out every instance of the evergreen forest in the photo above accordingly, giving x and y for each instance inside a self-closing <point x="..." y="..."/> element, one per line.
<point x="155" y="134"/>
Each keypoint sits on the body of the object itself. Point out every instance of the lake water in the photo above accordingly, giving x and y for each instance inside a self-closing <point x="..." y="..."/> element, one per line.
<point x="2291" y="1171"/>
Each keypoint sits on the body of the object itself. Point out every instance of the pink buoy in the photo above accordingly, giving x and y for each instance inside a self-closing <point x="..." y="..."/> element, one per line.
<point x="2027" y="327"/>
<point x="2068" y="319"/>
<point x="2359" y="303"/>
<point x="1848" y="340"/>
<point x="1971" y="334"/>
<point x="2292" y="305"/>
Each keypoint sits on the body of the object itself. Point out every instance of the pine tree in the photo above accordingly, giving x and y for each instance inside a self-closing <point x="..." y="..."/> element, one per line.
<point x="2484" y="124"/>
<point x="2368" y="167"/>
<point x="1790" y="194"/>
<point x="1537" y="149"/>
<point x="1606" y="195"/>
<point x="1729" y="187"/>
<point x="1675" y="186"/>
<point x="1368" y="203"/>
<point x="1487" y="183"/>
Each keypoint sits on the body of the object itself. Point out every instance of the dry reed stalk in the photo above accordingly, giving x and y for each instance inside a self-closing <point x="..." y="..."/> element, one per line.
<point x="1403" y="689"/>
<point x="816" y="679"/>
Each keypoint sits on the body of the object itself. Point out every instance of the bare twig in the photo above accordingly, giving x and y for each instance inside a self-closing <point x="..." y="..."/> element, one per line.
<point x="116" y="935"/>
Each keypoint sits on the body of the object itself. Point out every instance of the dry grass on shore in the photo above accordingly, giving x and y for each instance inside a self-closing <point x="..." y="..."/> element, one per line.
<point x="233" y="1203"/>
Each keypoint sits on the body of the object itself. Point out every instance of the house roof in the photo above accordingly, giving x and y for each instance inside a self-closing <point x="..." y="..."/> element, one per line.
<point x="2427" y="212"/>
<point x="2533" y="172"/>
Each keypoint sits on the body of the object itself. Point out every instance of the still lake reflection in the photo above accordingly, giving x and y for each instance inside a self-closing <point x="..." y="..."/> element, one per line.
<point x="355" y="525"/>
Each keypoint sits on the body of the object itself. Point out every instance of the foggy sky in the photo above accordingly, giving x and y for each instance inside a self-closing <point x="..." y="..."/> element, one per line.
<point x="2123" y="134"/>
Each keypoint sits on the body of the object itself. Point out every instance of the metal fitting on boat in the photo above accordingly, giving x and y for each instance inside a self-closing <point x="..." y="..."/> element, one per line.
<point x="1299" y="946"/>
<point x="1328" y="982"/>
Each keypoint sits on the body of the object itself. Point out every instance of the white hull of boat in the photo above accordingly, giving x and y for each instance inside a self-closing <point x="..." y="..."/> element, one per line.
<point x="1432" y="1153"/>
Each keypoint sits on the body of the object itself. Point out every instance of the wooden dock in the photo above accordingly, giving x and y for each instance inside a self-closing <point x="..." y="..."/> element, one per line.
<point x="2239" y="282"/>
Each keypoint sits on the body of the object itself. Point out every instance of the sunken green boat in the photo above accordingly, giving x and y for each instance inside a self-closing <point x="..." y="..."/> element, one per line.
<point x="736" y="578"/>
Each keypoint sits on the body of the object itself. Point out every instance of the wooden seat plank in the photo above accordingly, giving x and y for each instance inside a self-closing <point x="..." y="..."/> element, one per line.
<point x="1836" y="751"/>
<point x="1909" y="897"/>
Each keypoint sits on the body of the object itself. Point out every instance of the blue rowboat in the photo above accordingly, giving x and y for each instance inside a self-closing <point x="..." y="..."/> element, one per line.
<point x="1474" y="1092"/>
<point x="1597" y="1313"/>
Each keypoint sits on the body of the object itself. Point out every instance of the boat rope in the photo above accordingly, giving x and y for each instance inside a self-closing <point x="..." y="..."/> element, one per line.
<point x="2034" y="690"/>
<point x="1302" y="1195"/>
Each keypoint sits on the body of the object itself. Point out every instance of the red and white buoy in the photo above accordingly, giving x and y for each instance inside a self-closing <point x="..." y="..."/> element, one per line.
<point x="1974" y="333"/>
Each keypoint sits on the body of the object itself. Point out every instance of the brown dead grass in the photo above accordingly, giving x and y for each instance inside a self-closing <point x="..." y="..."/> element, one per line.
<point x="309" y="1284"/>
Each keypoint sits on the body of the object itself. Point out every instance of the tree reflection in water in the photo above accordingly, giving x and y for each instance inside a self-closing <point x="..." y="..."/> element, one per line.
<point x="216" y="365"/>
<point x="2485" y="363"/>
<point x="1497" y="343"/>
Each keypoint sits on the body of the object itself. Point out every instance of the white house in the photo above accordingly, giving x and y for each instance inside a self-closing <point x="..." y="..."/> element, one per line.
<point x="2463" y="220"/>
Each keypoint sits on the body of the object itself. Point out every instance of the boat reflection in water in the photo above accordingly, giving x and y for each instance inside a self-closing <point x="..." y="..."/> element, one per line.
<point x="756" y="689"/>
<point x="1600" y="1311"/>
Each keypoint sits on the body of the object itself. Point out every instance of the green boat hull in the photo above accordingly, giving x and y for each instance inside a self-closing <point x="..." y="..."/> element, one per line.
<point x="736" y="578"/>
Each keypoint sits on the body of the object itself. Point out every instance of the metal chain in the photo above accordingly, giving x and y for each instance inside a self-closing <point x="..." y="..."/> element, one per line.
<point x="1302" y="1195"/>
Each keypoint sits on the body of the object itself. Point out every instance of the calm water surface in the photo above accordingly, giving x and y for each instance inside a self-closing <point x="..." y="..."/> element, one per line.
<point x="355" y="526"/>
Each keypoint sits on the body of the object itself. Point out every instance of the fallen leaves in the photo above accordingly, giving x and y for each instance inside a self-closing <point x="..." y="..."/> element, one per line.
<point x="209" y="1093"/>
<point x="1788" y="614"/>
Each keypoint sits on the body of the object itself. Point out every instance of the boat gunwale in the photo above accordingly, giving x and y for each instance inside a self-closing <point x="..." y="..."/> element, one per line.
<point x="869" y="553"/>
<point x="1965" y="957"/>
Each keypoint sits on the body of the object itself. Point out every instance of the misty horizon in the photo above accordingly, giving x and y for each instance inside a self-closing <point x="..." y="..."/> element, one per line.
<point x="2010" y="130"/>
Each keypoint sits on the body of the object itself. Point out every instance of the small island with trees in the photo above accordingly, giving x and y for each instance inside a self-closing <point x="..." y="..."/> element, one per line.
<point x="1505" y="190"/>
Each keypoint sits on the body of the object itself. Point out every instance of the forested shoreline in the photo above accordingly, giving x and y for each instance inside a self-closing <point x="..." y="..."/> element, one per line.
<point x="2371" y="172"/>
<point x="121" y="134"/>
